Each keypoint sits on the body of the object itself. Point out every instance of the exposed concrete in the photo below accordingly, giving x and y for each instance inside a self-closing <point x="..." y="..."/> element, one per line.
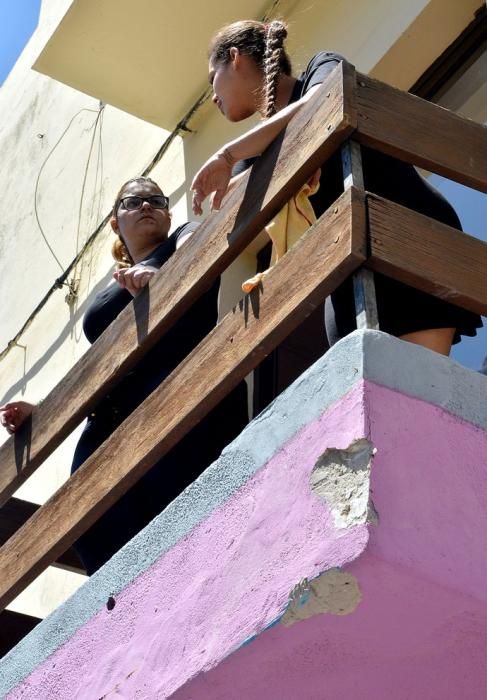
<point x="335" y="592"/>
<point x="342" y="479"/>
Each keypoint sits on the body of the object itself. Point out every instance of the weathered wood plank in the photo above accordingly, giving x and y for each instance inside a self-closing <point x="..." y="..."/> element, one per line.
<point x="417" y="131"/>
<point x="16" y="513"/>
<point x="426" y="254"/>
<point x="323" y="257"/>
<point x="311" y="137"/>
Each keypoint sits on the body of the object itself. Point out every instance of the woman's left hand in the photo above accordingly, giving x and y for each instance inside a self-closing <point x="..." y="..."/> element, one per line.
<point x="13" y="414"/>
<point x="213" y="176"/>
<point x="134" y="278"/>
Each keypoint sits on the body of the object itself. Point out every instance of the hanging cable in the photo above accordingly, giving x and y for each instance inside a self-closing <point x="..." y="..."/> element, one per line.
<point x="85" y="177"/>
<point x="36" y="189"/>
<point x="73" y="284"/>
<point x="181" y="127"/>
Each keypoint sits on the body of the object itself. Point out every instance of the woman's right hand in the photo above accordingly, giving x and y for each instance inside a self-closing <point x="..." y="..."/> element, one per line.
<point x="13" y="414"/>
<point x="135" y="278"/>
<point x="212" y="178"/>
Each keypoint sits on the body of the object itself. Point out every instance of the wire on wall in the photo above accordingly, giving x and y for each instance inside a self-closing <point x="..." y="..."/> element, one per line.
<point x="180" y="128"/>
<point x="46" y="160"/>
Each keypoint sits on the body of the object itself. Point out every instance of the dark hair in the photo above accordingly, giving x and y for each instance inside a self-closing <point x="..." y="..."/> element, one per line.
<point x="119" y="250"/>
<point x="264" y="43"/>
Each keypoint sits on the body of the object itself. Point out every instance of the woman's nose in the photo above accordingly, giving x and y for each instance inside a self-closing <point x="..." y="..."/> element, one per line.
<point x="214" y="99"/>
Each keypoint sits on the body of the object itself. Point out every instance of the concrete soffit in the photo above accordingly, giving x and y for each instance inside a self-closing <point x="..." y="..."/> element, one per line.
<point x="149" y="58"/>
<point x="146" y="58"/>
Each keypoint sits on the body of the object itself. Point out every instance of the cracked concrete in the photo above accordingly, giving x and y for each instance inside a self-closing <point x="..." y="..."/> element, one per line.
<point x="335" y="592"/>
<point x="341" y="477"/>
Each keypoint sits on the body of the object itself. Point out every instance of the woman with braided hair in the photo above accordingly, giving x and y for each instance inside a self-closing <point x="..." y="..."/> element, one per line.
<point x="250" y="72"/>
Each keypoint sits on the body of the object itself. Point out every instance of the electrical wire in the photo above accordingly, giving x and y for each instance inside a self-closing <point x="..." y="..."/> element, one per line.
<point x="85" y="176"/>
<point x="181" y="127"/>
<point x="60" y="281"/>
<point x="36" y="189"/>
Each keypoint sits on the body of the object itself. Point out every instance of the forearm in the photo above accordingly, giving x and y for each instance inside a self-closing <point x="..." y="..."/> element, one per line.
<point x="255" y="141"/>
<point x="214" y="176"/>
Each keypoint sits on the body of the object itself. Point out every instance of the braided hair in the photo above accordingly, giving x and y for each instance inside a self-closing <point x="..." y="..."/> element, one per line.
<point x="275" y="35"/>
<point x="120" y="251"/>
<point x="265" y="44"/>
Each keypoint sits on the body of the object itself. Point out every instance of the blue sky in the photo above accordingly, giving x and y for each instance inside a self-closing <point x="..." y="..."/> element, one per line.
<point x="18" y="19"/>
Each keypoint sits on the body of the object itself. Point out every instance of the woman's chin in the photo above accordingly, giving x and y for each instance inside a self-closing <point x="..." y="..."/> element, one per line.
<point x="151" y="227"/>
<point x="237" y="115"/>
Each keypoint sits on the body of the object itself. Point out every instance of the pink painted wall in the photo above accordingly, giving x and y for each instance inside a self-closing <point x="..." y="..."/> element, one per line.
<point x="409" y="639"/>
<point x="420" y="630"/>
<point x="226" y="581"/>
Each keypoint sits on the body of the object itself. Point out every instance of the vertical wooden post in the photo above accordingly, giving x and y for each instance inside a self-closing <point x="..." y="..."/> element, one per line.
<point x="363" y="280"/>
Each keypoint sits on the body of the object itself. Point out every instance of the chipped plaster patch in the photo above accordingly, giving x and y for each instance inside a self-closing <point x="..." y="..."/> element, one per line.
<point x="335" y="592"/>
<point x="342" y="479"/>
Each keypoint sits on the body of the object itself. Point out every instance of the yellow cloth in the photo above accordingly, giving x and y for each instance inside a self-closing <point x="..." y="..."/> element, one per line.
<point x="287" y="227"/>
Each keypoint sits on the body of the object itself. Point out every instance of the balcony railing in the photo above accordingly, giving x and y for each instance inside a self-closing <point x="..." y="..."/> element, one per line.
<point x="360" y="231"/>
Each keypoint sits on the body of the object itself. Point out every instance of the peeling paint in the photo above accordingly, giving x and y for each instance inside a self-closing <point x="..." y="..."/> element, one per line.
<point x="335" y="592"/>
<point x="341" y="477"/>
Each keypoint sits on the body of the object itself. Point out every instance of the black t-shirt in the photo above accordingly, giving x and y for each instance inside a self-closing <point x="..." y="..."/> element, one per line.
<point x="384" y="175"/>
<point x="401" y="309"/>
<point x="168" y="352"/>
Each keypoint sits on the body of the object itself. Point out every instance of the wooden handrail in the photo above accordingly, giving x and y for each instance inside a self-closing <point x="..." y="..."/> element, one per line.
<point x="311" y="137"/>
<point x="422" y="133"/>
<point x="427" y="254"/>
<point x="15" y="513"/>
<point x="324" y="257"/>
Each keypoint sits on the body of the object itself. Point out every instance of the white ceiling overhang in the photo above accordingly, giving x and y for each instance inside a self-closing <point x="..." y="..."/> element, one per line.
<point x="147" y="58"/>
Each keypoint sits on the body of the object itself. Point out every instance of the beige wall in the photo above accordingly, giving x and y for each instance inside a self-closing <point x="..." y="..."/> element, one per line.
<point x="374" y="34"/>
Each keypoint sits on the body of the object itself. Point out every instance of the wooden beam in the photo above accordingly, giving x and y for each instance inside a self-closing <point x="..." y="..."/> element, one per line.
<point x="16" y="513"/>
<point x="426" y="254"/>
<point x="311" y="137"/>
<point x="314" y="267"/>
<point x="13" y="627"/>
<point x="419" y="132"/>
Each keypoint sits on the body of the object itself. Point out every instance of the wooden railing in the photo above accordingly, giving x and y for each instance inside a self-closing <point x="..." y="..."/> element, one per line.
<point x="360" y="230"/>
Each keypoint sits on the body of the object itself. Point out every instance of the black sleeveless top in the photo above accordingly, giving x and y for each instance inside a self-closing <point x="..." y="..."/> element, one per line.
<point x="401" y="309"/>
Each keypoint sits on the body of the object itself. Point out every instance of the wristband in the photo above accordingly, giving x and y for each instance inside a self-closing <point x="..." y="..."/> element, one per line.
<point x="227" y="156"/>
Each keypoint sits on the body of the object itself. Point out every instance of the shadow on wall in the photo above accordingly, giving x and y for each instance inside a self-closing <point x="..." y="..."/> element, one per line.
<point x="38" y="366"/>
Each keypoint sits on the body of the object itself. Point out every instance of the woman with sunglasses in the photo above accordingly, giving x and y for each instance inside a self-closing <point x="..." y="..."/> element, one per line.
<point x="250" y="72"/>
<point x="141" y="221"/>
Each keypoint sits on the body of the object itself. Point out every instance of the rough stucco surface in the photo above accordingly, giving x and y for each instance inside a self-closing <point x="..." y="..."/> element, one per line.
<point x="420" y="630"/>
<point x="229" y="498"/>
<point x="429" y="484"/>
<point x="409" y="639"/>
<point x="226" y="581"/>
<point x="316" y="390"/>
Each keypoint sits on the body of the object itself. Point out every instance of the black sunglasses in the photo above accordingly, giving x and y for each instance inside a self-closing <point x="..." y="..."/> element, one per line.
<point x="157" y="201"/>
